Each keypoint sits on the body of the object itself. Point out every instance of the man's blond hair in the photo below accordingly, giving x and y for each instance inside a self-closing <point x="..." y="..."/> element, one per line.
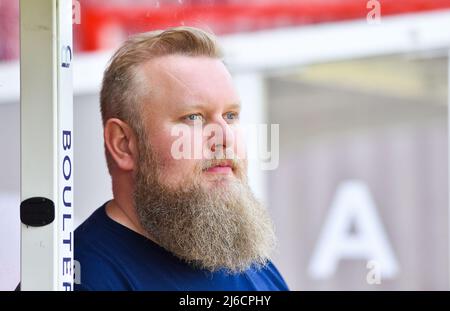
<point x="124" y="87"/>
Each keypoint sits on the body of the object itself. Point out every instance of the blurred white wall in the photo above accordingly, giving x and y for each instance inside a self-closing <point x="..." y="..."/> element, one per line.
<point x="92" y="182"/>
<point x="9" y="196"/>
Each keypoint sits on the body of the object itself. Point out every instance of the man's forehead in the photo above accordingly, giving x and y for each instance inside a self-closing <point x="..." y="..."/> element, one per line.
<point x="184" y="64"/>
<point x="195" y="79"/>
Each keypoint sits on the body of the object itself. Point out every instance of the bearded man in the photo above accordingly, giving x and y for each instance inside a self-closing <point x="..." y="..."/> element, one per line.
<point x="174" y="223"/>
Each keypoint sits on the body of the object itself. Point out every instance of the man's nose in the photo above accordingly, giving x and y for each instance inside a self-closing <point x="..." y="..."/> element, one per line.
<point x="221" y="135"/>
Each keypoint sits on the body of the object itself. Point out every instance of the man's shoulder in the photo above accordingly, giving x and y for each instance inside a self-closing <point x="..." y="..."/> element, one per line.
<point x="112" y="257"/>
<point x="91" y="223"/>
<point x="92" y="251"/>
<point x="270" y="277"/>
<point x="97" y="272"/>
<point x="95" y="232"/>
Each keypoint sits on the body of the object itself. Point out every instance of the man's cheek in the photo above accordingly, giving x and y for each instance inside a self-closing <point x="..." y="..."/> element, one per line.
<point x="185" y="142"/>
<point x="173" y="172"/>
<point x="163" y="154"/>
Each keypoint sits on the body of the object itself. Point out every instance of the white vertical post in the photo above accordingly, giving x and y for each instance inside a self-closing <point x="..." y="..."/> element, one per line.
<point x="46" y="145"/>
<point x="448" y="138"/>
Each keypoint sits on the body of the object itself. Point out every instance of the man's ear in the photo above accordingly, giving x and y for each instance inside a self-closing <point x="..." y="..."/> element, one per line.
<point x="121" y="142"/>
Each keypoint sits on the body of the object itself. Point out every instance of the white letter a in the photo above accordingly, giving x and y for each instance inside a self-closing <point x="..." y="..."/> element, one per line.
<point x="352" y="205"/>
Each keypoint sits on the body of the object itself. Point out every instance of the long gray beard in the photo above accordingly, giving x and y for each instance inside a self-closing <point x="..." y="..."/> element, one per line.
<point x="219" y="228"/>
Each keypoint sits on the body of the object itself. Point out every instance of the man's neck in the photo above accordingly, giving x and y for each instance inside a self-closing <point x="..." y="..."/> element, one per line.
<point x="126" y="217"/>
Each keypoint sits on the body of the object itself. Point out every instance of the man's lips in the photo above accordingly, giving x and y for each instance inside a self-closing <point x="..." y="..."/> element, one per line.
<point x="224" y="167"/>
<point x="220" y="169"/>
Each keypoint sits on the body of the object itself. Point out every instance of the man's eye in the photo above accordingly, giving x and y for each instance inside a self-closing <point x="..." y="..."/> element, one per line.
<point x="232" y="115"/>
<point x="194" y="117"/>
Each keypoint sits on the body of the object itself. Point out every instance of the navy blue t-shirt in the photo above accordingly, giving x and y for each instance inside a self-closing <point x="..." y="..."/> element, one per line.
<point x="114" y="257"/>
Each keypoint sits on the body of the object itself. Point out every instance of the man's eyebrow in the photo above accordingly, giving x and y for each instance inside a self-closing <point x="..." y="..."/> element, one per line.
<point x="235" y="105"/>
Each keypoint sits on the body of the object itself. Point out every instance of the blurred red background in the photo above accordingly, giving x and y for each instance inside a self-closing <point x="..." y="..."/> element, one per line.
<point x="106" y="23"/>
